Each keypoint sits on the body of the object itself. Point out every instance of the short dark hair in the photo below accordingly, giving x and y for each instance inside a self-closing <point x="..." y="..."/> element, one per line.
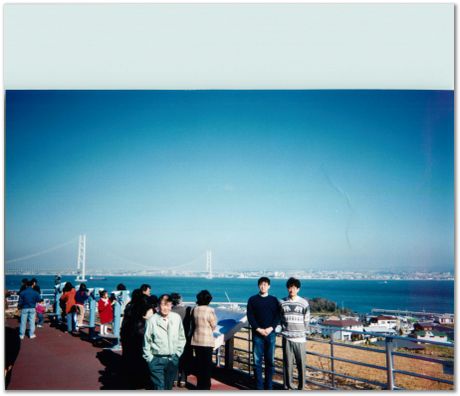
<point x="203" y="297"/>
<point x="34" y="280"/>
<point x="165" y="297"/>
<point x="263" y="279"/>
<point x="176" y="298"/>
<point x="121" y="286"/>
<point x="144" y="287"/>
<point x="102" y="292"/>
<point x="293" y="282"/>
<point x="29" y="283"/>
<point x="41" y="300"/>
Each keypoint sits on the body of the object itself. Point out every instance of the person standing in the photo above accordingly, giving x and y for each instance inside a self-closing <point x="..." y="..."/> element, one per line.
<point x="132" y="340"/>
<point x="67" y="301"/>
<point x="81" y="296"/>
<point x="164" y="342"/>
<point x="204" y="322"/>
<point x="40" y="309"/>
<point x="104" y="307"/>
<point x="179" y="308"/>
<point x="295" y="319"/>
<point x="263" y="314"/>
<point x="27" y="302"/>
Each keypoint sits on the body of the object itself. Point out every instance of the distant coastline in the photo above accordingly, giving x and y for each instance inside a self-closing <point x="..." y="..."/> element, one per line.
<point x="224" y="276"/>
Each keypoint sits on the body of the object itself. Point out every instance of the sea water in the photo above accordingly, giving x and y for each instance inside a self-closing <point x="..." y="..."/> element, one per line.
<point x="359" y="295"/>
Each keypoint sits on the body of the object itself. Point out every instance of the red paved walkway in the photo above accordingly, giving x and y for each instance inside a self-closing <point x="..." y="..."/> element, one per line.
<point x="56" y="360"/>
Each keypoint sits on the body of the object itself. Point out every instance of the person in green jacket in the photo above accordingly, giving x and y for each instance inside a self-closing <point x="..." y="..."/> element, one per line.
<point x="164" y="342"/>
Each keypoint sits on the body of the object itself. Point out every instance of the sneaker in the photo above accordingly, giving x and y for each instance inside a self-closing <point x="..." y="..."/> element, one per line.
<point x="32" y="336"/>
<point x="21" y="337"/>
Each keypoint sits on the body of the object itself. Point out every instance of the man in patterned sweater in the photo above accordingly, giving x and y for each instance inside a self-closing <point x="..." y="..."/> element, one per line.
<point x="295" y="319"/>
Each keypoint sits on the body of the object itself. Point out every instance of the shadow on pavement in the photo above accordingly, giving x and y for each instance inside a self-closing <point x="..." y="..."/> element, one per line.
<point x="12" y="348"/>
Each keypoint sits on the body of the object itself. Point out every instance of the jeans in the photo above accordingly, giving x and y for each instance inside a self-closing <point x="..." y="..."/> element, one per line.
<point x="71" y="320"/>
<point x="27" y="315"/>
<point x="41" y="318"/>
<point x="163" y="371"/>
<point x="264" y="349"/>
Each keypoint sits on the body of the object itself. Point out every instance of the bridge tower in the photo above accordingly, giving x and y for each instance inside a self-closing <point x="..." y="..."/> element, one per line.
<point x="209" y="264"/>
<point x="81" y="261"/>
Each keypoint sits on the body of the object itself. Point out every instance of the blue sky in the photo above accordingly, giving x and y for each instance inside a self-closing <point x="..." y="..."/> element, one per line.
<point x="343" y="180"/>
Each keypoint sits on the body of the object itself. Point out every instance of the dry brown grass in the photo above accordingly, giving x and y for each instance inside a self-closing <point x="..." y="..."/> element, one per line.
<point x="371" y="356"/>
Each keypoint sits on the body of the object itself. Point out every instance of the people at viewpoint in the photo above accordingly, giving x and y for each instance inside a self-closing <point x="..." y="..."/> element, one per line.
<point x="263" y="315"/>
<point x="295" y="319"/>
<point x="40" y="309"/>
<point x="81" y="296"/>
<point x="28" y="299"/>
<point x="164" y="342"/>
<point x="204" y="322"/>
<point x="67" y="302"/>
<point x="104" y="307"/>
<point x="159" y="336"/>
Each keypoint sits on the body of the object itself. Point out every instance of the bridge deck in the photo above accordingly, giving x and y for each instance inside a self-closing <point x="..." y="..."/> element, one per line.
<point x="55" y="360"/>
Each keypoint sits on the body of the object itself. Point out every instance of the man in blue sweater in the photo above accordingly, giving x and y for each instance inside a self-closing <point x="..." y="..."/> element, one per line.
<point x="263" y="314"/>
<point x="28" y="300"/>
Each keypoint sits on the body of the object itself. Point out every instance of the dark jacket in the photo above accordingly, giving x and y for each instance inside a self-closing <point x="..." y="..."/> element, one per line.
<point x="28" y="298"/>
<point x="263" y="312"/>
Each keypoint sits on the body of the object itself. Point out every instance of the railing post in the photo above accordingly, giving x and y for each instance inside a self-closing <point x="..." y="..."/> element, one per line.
<point x="249" y="350"/>
<point x="389" y="360"/>
<point x="92" y="316"/>
<point x="331" y="342"/>
<point x="229" y="353"/>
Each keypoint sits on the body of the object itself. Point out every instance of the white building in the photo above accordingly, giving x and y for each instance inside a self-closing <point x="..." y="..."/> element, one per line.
<point x="337" y="329"/>
<point x="444" y="319"/>
<point x="430" y="336"/>
<point x="390" y="322"/>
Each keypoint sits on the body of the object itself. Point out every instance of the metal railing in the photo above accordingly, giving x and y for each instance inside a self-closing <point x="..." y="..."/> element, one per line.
<point x="389" y="351"/>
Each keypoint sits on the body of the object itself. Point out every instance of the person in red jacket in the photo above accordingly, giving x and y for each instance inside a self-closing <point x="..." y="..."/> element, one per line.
<point x="67" y="302"/>
<point x="104" y="307"/>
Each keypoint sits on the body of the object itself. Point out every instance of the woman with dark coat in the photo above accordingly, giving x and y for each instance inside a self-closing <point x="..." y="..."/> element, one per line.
<point x="132" y="341"/>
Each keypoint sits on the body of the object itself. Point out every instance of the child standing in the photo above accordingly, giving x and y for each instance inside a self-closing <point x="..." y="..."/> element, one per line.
<point x="104" y="307"/>
<point x="40" y="309"/>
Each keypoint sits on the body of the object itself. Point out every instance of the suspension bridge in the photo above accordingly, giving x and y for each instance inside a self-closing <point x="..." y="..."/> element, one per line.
<point x="36" y="263"/>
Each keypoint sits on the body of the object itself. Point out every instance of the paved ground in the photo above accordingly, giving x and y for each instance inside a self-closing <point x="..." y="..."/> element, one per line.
<point x="56" y="360"/>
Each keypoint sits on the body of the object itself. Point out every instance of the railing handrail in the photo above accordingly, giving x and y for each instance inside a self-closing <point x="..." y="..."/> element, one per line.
<point x="389" y="366"/>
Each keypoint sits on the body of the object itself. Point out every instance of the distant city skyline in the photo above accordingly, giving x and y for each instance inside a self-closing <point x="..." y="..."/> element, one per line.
<point x="274" y="180"/>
